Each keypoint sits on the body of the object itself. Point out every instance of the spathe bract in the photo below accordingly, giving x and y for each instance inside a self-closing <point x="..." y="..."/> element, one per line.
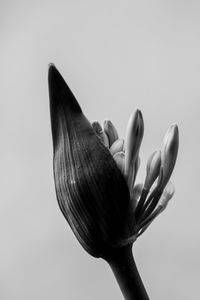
<point x="91" y="191"/>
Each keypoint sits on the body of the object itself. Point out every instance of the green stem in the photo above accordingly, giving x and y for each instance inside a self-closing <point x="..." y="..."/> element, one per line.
<point x="124" y="268"/>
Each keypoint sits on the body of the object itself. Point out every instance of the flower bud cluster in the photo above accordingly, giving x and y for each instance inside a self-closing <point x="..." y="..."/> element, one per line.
<point x="151" y="198"/>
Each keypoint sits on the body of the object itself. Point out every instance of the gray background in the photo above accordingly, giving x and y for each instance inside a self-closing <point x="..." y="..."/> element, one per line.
<point x="116" y="56"/>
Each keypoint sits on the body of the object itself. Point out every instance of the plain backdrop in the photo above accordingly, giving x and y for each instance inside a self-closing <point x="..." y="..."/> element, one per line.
<point x="116" y="56"/>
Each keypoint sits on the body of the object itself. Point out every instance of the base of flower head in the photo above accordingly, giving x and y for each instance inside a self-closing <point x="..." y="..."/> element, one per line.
<point x="127" y="241"/>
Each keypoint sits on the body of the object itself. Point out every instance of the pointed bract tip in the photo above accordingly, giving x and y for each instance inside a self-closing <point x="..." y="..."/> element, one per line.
<point x="51" y="64"/>
<point x="59" y="92"/>
<point x="54" y="75"/>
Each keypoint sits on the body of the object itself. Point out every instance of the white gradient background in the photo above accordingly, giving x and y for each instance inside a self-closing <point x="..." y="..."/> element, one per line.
<point x="116" y="56"/>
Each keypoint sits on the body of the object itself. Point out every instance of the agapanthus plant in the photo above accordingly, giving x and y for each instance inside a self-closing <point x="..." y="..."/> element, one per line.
<point x="95" y="173"/>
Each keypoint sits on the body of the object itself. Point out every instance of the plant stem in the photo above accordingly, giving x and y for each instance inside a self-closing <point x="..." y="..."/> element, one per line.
<point x="124" y="268"/>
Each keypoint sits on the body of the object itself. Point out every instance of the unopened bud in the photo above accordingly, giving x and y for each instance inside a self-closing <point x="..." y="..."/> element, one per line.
<point x="111" y="131"/>
<point x="137" y="191"/>
<point x="119" y="158"/>
<point x="117" y="146"/>
<point x="169" y="153"/>
<point x="152" y="169"/>
<point x="166" y="195"/>
<point x="134" y="135"/>
<point x="99" y="131"/>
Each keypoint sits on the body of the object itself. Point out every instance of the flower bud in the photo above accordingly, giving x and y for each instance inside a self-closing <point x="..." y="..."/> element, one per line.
<point x="117" y="146"/>
<point x="99" y="131"/>
<point x="166" y="195"/>
<point x="119" y="158"/>
<point x="134" y="135"/>
<point x="152" y="169"/>
<point x="111" y="131"/>
<point x="169" y="153"/>
<point x="137" y="191"/>
<point x="91" y="191"/>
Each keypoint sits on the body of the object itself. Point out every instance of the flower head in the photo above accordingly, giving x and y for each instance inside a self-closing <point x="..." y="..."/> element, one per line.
<point x="95" y="173"/>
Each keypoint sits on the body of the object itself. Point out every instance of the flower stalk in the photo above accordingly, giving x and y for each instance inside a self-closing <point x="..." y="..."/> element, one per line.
<point x="126" y="273"/>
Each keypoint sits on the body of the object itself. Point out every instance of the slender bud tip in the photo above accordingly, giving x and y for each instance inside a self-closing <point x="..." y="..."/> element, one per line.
<point x="174" y="127"/>
<point x="169" y="152"/>
<point x="134" y="135"/>
<point x="139" y="113"/>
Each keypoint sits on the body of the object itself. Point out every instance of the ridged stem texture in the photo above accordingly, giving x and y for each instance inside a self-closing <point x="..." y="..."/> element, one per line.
<point x="124" y="268"/>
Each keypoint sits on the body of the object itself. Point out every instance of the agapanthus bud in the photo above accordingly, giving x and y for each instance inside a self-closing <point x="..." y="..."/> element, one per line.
<point x="117" y="146"/>
<point x="111" y="131"/>
<point x="152" y="169"/>
<point x="99" y="131"/>
<point x="166" y="195"/>
<point x="134" y="135"/>
<point x="137" y="191"/>
<point x="119" y="158"/>
<point x="91" y="191"/>
<point x="134" y="171"/>
<point x="169" y="153"/>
